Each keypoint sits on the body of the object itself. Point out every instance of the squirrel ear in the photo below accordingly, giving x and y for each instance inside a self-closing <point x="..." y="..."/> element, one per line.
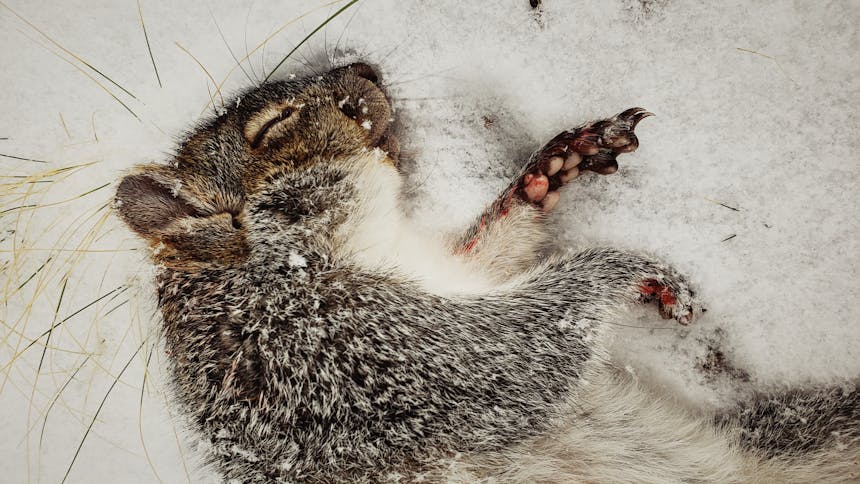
<point x="150" y="202"/>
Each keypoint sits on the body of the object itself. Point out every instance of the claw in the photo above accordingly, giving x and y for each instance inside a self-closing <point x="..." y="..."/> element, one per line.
<point x="633" y="116"/>
<point x="603" y="160"/>
<point x="665" y="313"/>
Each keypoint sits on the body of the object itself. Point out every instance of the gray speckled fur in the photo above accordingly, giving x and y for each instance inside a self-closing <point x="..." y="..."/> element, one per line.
<point x="316" y="369"/>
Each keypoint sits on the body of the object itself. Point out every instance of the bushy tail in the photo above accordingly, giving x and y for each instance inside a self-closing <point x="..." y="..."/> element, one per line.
<point x="620" y="433"/>
<point x="814" y="432"/>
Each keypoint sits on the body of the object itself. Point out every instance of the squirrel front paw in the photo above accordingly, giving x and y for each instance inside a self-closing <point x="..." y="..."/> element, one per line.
<point x="673" y="297"/>
<point x="591" y="147"/>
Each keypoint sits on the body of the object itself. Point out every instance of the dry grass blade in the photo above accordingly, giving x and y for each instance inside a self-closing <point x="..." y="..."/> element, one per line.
<point x="22" y="158"/>
<point x="56" y="397"/>
<point x="41" y="362"/>
<point x="148" y="48"/>
<point x="121" y="289"/>
<point x="50" y="331"/>
<point x="99" y="409"/>
<point x="36" y="206"/>
<point x="93" y="122"/>
<point x="34" y="273"/>
<point x="214" y="83"/>
<point x="19" y="207"/>
<point x="314" y="31"/>
<point x="65" y="127"/>
<point x="44" y="276"/>
<point x="774" y="59"/>
<point x="89" y="76"/>
<point x="267" y="39"/>
<point x="67" y="51"/>
<point x="105" y="89"/>
<point x="91" y="191"/>
<point x="723" y="205"/>
<point x="60" y="249"/>
<point x="140" y="413"/>
<point x="229" y="49"/>
<point x="115" y="308"/>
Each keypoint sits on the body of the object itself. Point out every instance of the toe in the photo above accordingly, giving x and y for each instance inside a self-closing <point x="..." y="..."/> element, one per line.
<point x="630" y="145"/>
<point x="586" y="144"/>
<point x="608" y="169"/>
<point x="573" y="159"/>
<point x="568" y="175"/>
<point x="550" y="201"/>
<point x="617" y="141"/>
<point x="683" y="315"/>
<point x="536" y="187"/>
<point x="553" y="165"/>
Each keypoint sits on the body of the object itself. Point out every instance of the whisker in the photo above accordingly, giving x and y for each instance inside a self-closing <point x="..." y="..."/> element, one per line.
<point x="215" y="83"/>
<point x="309" y="64"/>
<point x="323" y="24"/>
<point x="227" y="44"/>
<point x="250" y="64"/>
<point x="345" y="27"/>
<point x="425" y="76"/>
<point x="262" y="44"/>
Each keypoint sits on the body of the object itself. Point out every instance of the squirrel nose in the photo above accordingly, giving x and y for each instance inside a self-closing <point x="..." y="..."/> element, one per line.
<point x="361" y="69"/>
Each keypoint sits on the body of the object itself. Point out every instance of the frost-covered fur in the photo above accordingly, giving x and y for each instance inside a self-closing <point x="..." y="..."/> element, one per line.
<point x="331" y="342"/>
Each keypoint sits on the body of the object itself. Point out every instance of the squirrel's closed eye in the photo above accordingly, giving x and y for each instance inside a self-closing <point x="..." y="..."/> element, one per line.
<point x="268" y="122"/>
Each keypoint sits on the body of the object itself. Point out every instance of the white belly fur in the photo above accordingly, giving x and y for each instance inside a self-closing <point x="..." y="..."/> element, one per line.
<point x="379" y="238"/>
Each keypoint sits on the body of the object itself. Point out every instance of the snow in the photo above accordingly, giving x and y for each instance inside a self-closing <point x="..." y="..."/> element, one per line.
<point x="296" y="260"/>
<point x="755" y="110"/>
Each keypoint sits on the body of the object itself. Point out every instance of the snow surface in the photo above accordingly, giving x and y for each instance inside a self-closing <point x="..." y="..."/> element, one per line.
<point x="756" y="109"/>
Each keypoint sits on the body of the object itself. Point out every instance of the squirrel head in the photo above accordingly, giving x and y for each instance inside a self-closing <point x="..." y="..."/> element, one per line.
<point x="192" y="210"/>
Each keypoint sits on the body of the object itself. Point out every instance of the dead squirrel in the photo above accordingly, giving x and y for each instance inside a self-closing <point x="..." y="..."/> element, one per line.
<point x="314" y="336"/>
